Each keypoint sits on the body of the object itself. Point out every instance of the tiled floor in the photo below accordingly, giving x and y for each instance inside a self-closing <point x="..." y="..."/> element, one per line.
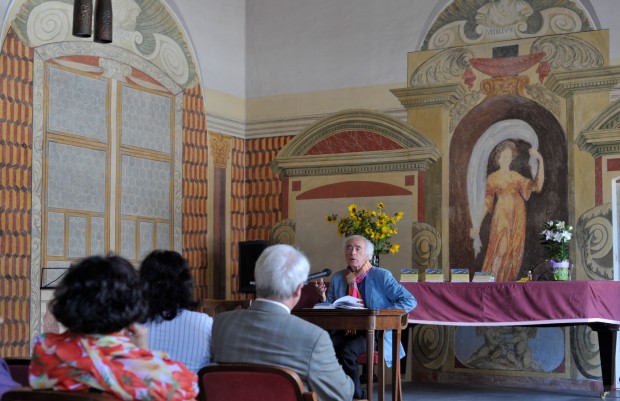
<point x="463" y="392"/>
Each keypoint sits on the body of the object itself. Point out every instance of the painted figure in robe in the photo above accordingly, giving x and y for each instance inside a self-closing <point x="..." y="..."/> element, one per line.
<point x="505" y="196"/>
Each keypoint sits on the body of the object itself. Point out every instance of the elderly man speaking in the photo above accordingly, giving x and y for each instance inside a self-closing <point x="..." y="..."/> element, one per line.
<point x="376" y="288"/>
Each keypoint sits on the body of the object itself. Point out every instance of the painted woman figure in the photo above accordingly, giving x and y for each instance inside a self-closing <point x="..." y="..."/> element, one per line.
<point x="505" y="196"/>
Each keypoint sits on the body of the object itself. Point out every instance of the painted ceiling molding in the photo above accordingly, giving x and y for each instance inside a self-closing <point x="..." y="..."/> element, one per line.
<point x="568" y="52"/>
<point x="444" y="66"/>
<point x="112" y="62"/>
<point x="561" y="52"/>
<point x="569" y="83"/>
<point x="143" y="27"/>
<point x="466" y="22"/>
<point x="602" y="135"/>
<point x="415" y="152"/>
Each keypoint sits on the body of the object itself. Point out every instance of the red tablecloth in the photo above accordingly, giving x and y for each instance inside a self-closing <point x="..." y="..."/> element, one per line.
<point x="512" y="303"/>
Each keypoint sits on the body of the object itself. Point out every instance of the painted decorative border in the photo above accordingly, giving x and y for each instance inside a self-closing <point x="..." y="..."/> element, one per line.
<point x="419" y="153"/>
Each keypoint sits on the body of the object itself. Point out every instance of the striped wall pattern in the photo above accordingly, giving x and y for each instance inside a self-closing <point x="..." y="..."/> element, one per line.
<point x="263" y="189"/>
<point x="195" y="188"/>
<point x="16" y="67"/>
<point x="237" y="212"/>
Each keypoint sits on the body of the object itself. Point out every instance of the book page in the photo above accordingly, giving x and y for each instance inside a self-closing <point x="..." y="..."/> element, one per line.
<point x="346" y="302"/>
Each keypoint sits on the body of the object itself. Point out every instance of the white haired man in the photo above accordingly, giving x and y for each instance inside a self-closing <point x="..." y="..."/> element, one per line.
<point x="377" y="288"/>
<point x="266" y="333"/>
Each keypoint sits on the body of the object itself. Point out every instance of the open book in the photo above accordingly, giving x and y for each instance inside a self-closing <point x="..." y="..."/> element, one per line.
<point x="346" y="302"/>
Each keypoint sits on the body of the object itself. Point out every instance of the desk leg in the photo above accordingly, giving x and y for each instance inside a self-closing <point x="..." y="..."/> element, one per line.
<point x="381" y="365"/>
<point x="370" y="351"/>
<point x="397" y="390"/>
<point x="607" y="351"/>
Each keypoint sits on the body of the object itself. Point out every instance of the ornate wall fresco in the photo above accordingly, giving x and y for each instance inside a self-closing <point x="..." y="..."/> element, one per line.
<point x="142" y="27"/>
<point x="151" y="57"/>
<point x="467" y="22"/>
<point x="237" y="212"/>
<point x="361" y="157"/>
<point x="500" y="218"/>
<point x="195" y="184"/>
<point x="479" y="119"/>
<point x="15" y="196"/>
<point x="516" y="97"/>
<point x="263" y="187"/>
<point x="601" y="138"/>
<point x="528" y="349"/>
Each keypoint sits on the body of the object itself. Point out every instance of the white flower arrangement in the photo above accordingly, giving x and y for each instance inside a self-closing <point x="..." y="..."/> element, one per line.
<point x="556" y="238"/>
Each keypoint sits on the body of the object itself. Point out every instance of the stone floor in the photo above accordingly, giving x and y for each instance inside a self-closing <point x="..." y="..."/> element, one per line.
<point x="464" y="392"/>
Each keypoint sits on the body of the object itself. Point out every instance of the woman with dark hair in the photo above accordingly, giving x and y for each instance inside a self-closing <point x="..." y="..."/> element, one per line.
<point x="99" y="302"/>
<point x="174" y="327"/>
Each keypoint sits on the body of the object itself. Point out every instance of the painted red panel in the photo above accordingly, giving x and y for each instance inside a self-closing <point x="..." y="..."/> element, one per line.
<point x="353" y="189"/>
<point x="421" y="203"/>
<point x="598" y="179"/>
<point x="613" y="164"/>
<point x="352" y="142"/>
<point x="285" y="197"/>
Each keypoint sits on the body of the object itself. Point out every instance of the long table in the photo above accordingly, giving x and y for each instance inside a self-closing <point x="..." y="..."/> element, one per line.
<point x="370" y="320"/>
<point x="533" y="303"/>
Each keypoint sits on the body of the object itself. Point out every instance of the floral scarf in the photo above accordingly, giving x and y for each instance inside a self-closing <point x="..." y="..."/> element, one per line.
<point x="359" y="277"/>
<point x="110" y="363"/>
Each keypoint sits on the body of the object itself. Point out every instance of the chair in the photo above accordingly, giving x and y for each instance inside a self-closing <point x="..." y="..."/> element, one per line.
<point x="18" y="367"/>
<point x="214" y="306"/>
<point x="28" y="394"/>
<point x="251" y="383"/>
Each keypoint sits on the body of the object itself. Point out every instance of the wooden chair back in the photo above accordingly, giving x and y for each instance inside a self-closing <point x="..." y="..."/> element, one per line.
<point x="28" y="394"/>
<point x="18" y="367"/>
<point x="214" y="306"/>
<point x="249" y="382"/>
<point x="309" y="296"/>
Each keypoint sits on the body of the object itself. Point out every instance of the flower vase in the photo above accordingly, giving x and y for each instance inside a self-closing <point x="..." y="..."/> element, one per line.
<point x="559" y="270"/>
<point x="375" y="259"/>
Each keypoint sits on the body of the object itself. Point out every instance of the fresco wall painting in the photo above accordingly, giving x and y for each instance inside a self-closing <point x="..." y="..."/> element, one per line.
<point x="474" y="102"/>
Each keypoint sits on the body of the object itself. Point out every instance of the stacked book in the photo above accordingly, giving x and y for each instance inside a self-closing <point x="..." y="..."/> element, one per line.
<point x="459" y="275"/>
<point x="408" y="275"/>
<point x="433" y="275"/>
<point x="483" y="277"/>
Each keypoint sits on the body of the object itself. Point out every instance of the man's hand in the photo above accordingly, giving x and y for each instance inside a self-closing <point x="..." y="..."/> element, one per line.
<point x="350" y="277"/>
<point x="321" y="289"/>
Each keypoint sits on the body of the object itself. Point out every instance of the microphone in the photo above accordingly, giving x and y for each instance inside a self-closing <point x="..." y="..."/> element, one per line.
<point x="324" y="273"/>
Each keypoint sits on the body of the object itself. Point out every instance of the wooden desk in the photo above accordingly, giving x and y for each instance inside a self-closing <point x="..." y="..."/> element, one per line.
<point x="369" y="320"/>
<point x="540" y="303"/>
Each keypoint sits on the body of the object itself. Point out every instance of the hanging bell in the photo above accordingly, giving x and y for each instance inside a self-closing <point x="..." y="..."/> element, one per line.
<point x="103" y="21"/>
<point x="82" y="18"/>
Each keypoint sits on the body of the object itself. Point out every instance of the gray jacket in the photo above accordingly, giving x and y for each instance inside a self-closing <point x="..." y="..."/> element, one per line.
<point x="266" y="334"/>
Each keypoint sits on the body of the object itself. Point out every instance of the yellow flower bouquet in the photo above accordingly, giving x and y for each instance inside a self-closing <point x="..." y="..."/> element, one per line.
<point x="377" y="226"/>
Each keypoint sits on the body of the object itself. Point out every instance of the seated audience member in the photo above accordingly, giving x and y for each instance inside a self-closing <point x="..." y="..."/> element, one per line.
<point x="173" y="327"/>
<point x="266" y="333"/>
<point x="99" y="301"/>
<point x="377" y="288"/>
<point x="6" y="381"/>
